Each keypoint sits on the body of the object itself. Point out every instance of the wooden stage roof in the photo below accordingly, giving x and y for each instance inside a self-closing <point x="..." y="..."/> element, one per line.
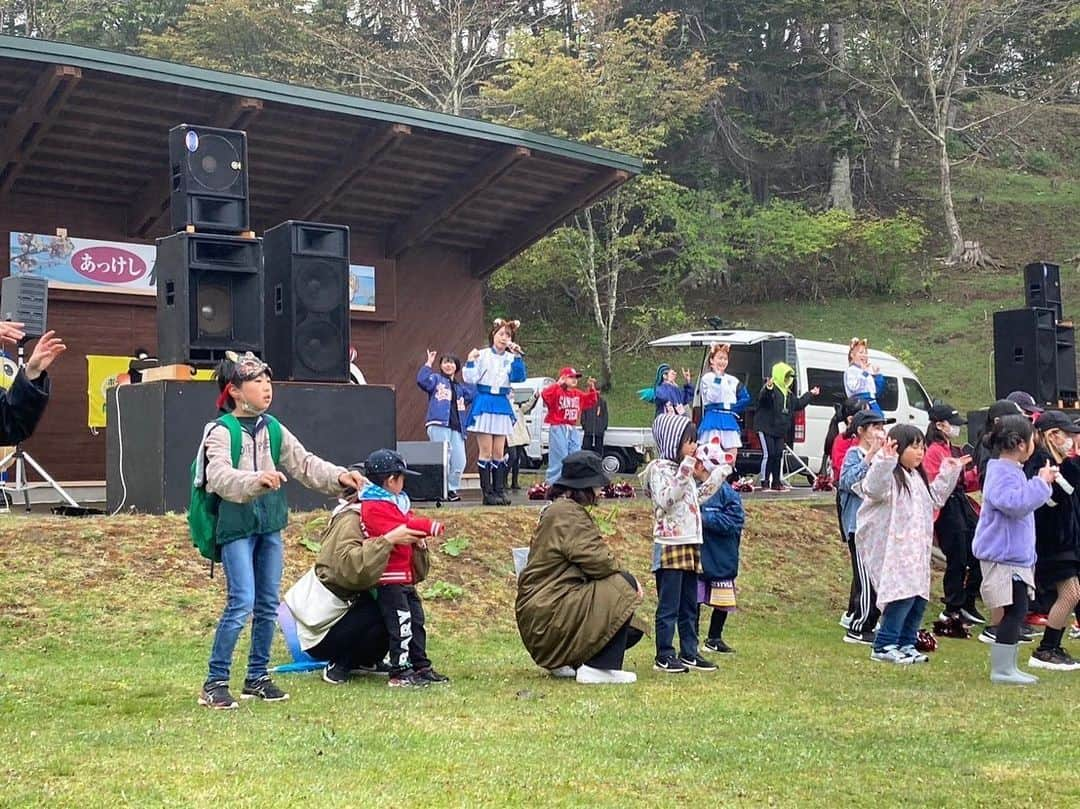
<point x="86" y="125"/>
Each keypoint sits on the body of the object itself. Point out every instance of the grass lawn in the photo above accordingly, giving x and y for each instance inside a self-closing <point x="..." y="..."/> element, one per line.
<point x="105" y="626"/>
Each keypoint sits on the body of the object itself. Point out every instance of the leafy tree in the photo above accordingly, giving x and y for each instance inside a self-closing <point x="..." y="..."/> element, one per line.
<point x="113" y="24"/>
<point x="626" y="89"/>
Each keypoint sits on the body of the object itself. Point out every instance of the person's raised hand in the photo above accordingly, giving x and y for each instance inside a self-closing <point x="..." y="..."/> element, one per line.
<point x="769" y="383"/>
<point x="47" y="349"/>
<point x="431" y="355"/>
<point x="815" y="391"/>
<point x="473" y="355"/>
<point x="271" y="479"/>
<point x="1048" y="473"/>
<point x="590" y="383"/>
<point x="11" y="331"/>
<point x="961" y="461"/>
<point x="403" y="535"/>
<point x="888" y="448"/>
<point x="352" y="479"/>
<point x="687" y="375"/>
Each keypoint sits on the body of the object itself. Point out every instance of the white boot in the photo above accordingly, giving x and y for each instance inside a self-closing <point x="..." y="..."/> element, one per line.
<point x="587" y="674"/>
<point x="565" y="672"/>
<point x="1003" y="666"/>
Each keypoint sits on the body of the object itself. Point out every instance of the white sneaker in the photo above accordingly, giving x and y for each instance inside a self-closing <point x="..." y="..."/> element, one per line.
<point x="890" y="654"/>
<point x="566" y="672"/>
<point x="845" y="620"/>
<point x="914" y="654"/>
<point x="587" y="674"/>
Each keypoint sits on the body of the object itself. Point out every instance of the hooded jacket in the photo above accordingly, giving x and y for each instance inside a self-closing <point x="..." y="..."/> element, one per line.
<point x="777" y="405"/>
<point x="382" y="511"/>
<point x="1057" y="521"/>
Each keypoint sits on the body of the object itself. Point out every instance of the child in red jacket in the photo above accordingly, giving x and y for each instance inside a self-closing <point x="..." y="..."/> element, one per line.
<point x="384" y="506"/>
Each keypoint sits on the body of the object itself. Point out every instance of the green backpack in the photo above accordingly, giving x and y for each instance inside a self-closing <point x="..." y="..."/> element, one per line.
<point x="203" y="508"/>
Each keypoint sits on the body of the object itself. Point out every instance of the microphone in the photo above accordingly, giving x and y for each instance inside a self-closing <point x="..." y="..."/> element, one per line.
<point x="516" y="349"/>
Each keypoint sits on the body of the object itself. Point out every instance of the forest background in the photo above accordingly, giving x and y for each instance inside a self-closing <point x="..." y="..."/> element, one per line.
<point x="881" y="169"/>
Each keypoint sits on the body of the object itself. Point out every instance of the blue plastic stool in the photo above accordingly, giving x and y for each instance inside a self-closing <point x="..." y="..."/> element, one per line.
<point x="302" y="661"/>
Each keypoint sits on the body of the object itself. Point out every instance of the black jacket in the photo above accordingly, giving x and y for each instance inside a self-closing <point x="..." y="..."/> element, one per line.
<point x="775" y="412"/>
<point x="1057" y="527"/>
<point x="21" y="407"/>
<point x="594" y="421"/>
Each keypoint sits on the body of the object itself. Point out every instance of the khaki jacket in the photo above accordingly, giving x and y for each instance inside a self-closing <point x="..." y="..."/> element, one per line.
<point x="241" y="485"/>
<point x="572" y="596"/>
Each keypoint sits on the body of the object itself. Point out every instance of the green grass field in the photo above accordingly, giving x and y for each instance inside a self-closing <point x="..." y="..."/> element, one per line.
<point x="105" y="626"/>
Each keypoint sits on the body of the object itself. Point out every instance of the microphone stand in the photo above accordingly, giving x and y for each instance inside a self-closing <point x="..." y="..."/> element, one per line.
<point x="20" y="458"/>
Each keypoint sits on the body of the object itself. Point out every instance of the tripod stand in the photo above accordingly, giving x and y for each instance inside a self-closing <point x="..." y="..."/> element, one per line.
<point x="20" y="458"/>
<point x="792" y="465"/>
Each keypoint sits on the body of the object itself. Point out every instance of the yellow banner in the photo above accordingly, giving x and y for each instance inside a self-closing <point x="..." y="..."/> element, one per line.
<point x="104" y="372"/>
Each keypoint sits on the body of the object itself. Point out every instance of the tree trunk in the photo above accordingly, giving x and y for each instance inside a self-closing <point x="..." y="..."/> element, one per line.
<point x="952" y="225"/>
<point x="894" y="151"/>
<point x="840" y="184"/>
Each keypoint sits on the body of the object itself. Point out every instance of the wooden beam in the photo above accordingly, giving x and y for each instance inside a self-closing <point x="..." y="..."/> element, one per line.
<point x="152" y="202"/>
<point x="32" y="120"/>
<point x="538" y="225"/>
<point x="362" y="154"/>
<point x="460" y="192"/>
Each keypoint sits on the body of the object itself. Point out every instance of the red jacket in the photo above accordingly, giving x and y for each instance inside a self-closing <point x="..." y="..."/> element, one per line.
<point x="382" y="516"/>
<point x="841" y="444"/>
<point x="565" y="405"/>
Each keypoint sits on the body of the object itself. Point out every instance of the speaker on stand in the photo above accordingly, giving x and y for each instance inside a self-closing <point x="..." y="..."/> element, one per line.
<point x="1026" y="354"/>
<point x="210" y="297"/>
<point x="306" y="277"/>
<point x="209" y="179"/>
<point x="1042" y="287"/>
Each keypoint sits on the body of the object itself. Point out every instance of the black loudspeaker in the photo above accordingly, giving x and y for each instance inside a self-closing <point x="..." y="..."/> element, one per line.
<point x="25" y="299"/>
<point x="307" y="301"/>
<point x="209" y="179"/>
<point x="1066" y="364"/>
<point x="1025" y="354"/>
<point x="1042" y="286"/>
<point x="154" y="429"/>
<point x="432" y="460"/>
<point x="209" y="296"/>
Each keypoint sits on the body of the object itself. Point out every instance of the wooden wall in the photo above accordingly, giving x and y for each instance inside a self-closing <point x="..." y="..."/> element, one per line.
<point x="425" y="299"/>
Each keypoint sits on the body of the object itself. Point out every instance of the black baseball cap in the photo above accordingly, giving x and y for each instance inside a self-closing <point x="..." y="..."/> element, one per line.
<point x="865" y="418"/>
<point x="946" y="412"/>
<point x="386" y="462"/>
<point x="1025" y="401"/>
<point x="1002" y="407"/>
<point x="1053" y="420"/>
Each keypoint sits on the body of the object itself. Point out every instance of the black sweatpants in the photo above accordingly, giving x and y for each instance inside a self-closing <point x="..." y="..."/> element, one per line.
<point x="403" y="617"/>
<point x="866" y="613"/>
<point x="359" y="638"/>
<point x="963" y="574"/>
<point x="593" y="442"/>
<point x="773" y="447"/>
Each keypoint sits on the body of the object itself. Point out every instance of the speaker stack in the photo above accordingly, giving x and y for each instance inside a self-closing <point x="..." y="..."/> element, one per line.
<point x="1035" y="348"/>
<point x="284" y="297"/>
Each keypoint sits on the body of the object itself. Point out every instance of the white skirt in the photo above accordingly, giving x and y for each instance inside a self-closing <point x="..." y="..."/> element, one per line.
<point x="492" y="424"/>
<point x="729" y="439"/>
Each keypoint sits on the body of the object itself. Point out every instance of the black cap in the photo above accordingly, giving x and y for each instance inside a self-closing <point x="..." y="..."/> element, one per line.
<point x="1002" y="407"/>
<point x="582" y="470"/>
<point x="1053" y="420"/>
<point x="1025" y="401"/>
<point x="946" y="412"/>
<point x="864" y="418"/>
<point x="385" y="462"/>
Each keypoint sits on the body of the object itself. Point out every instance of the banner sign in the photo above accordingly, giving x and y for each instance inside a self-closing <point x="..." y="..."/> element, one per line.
<point x="90" y="264"/>
<point x="105" y="371"/>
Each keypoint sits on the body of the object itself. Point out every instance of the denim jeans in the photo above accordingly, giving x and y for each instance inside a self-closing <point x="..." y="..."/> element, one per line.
<point x="457" y="452"/>
<point x="253" y="577"/>
<point x="900" y="622"/>
<point x="676" y="604"/>
<point x="562" y="440"/>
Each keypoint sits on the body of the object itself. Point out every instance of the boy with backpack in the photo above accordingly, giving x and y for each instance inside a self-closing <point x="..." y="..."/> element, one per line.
<point x="236" y="473"/>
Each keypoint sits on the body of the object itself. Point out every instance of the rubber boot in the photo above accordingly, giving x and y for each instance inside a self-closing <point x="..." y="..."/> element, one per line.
<point x="498" y="483"/>
<point x="1003" y="665"/>
<point x="485" y="484"/>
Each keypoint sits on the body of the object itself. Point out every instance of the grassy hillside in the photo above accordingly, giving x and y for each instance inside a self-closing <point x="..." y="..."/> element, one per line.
<point x="941" y="322"/>
<point x="105" y="625"/>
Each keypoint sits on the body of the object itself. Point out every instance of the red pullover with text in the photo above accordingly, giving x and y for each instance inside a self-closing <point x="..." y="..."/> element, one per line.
<point x="382" y="516"/>
<point x="565" y="405"/>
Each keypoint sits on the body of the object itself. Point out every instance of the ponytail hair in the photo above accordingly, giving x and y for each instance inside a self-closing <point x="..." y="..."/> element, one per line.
<point x="906" y="435"/>
<point x="1008" y="433"/>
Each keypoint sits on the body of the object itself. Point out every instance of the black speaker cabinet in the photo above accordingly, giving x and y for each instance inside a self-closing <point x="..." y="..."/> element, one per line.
<point x="1025" y="354"/>
<point x="1066" y="364"/>
<point x="432" y="460"/>
<point x="154" y="429"/>
<point x="209" y="296"/>
<point x="209" y="179"/>
<point x="307" y="301"/>
<point x="1042" y="286"/>
<point x="25" y="299"/>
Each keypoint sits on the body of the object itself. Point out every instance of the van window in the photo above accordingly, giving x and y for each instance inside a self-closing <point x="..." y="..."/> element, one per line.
<point x="916" y="396"/>
<point x="831" y="384"/>
<point x="890" y="397"/>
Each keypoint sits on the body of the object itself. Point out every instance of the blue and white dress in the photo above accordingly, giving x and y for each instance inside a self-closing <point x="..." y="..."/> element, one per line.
<point x="492" y="372"/>
<point x="723" y="399"/>
<point x="862" y="384"/>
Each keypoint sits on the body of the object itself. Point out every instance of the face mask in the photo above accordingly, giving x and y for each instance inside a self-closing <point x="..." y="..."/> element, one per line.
<point x="1065" y="446"/>
<point x="249" y="408"/>
<point x="954" y="431"/>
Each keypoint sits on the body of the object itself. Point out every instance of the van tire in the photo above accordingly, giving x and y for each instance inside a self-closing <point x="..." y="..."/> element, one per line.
<point x="612" y="461"/>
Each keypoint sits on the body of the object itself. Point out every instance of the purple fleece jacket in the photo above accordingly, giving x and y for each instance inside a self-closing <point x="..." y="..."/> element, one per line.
<point x="1006" y="530"/>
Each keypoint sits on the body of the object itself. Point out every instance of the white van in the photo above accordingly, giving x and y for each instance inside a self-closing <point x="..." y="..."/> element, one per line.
<point x="816" y="364"/>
